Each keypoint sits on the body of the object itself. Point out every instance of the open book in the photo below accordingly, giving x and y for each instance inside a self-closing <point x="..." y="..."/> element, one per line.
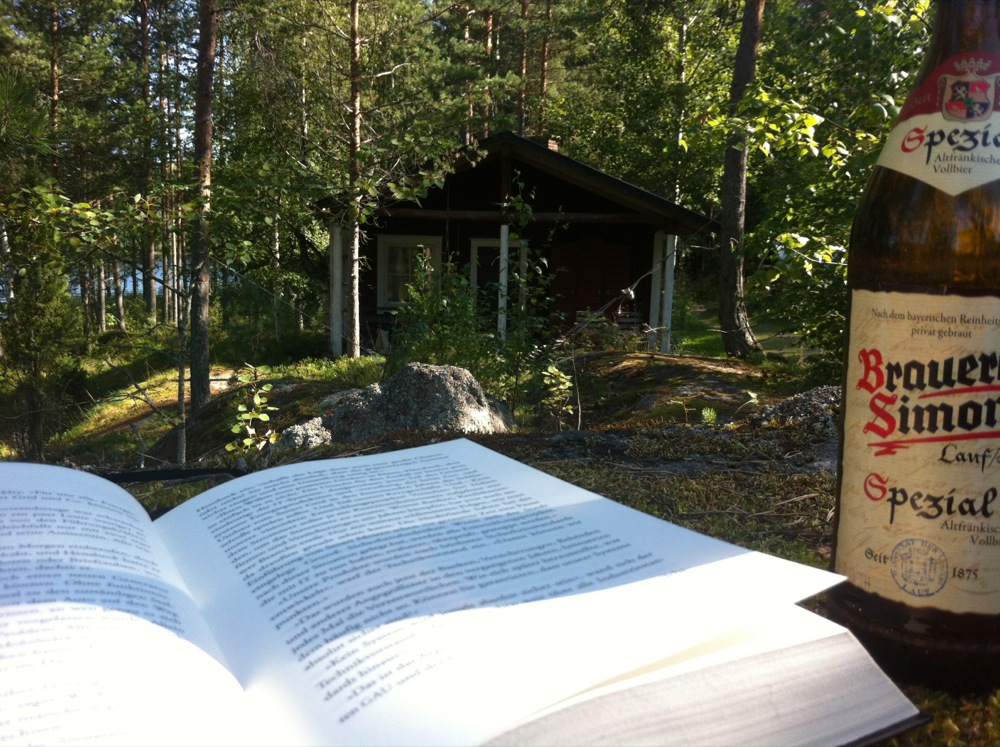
<point x="438" y="595"/>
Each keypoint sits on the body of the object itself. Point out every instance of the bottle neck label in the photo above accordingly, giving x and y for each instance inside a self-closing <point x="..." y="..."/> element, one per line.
<point x="919" y="510"/>
<point x="948" y="132"/>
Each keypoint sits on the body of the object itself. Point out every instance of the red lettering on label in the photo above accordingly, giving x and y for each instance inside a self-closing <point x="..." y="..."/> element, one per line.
<point x="875" y="486"/>
<point x="873" y="378"/>
<point x="883" y="424"/>
<point x="913" y="140"/>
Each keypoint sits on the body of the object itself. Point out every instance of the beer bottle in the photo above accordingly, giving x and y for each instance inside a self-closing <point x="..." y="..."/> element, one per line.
<point x="917" y="529"/>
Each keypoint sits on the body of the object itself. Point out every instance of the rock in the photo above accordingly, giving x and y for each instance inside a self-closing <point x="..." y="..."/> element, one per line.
<point x="307" y="435"/>
<point x="815" y="410"/>
<point x="419" y="397"/>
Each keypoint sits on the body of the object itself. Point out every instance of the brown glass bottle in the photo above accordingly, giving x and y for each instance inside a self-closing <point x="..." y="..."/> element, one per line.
<point x="917" y="529"/>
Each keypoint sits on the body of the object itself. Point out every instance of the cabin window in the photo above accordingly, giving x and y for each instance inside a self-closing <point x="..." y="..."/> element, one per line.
<point x="398" y="264"/>
<point x="485" y="265"/>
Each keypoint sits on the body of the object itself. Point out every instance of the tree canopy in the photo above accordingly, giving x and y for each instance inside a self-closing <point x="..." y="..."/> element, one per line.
<point x="325" y="111"/>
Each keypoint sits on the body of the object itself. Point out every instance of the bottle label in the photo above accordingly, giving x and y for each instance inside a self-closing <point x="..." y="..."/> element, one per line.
<point x="920" y="487"/>
<point x="948" y="132"/>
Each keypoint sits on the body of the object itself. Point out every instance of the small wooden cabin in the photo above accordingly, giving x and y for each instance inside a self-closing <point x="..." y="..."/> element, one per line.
<point x="608" y="239"/>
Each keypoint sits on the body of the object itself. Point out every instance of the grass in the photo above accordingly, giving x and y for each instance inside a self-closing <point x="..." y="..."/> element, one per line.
<point x="140" y="413"/>
<point x="135" y="427"/>
<point x="697" y="333"/>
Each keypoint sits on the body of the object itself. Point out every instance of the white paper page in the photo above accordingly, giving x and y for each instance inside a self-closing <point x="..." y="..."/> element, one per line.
<point x="801" y="680"/>
<point x="107" y="678"/>
<point x="91" y="606"/>
<point x="780" y="627"/>
<point x="69" y="536"/>
<point x="331" y="581"/>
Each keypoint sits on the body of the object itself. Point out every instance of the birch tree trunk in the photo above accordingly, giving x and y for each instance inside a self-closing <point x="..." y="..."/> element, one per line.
<point x="354" y="180"/>
<point x="148" y="235"/>
<point x="116" y="276"/>
<point x="54" y="86"/>
<point x="102" y="297"/>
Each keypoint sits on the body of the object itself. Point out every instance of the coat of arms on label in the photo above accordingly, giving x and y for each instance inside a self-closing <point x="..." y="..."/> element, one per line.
<point x="969" y="97"/>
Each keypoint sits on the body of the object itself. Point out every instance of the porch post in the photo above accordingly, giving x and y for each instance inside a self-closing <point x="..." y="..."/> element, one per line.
<point x="662" y="291"/>
<point x="655" y="293"/>
<point x="522" y="301"/>
<point x="502" y="294"/>
<point x="335" y="252"/>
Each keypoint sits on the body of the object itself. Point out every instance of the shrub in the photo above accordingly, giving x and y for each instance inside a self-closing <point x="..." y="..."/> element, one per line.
<point x="444" y="323"/>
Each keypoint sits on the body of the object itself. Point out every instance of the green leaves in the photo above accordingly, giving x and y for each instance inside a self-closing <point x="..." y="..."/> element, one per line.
<point x="559" y="389"/>
<point x="252" y="411"/>
<point x="52" y="218"/>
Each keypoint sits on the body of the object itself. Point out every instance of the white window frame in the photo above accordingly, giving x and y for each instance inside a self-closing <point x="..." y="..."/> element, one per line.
<point x="491" y="243"/>
<point x="396" y="242"/>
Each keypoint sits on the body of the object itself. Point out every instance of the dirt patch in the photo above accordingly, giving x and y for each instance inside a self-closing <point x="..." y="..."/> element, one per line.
<point x="617" y="387"/>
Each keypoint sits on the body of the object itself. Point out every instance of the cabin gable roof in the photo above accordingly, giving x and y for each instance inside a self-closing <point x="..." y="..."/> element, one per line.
<point x="560" y="189"/>
<point x="599" y="183"/>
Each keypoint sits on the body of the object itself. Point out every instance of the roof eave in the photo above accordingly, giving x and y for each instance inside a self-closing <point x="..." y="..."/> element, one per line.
<point x="628" y="195"/>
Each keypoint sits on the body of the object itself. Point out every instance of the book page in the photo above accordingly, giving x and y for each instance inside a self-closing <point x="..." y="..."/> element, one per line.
<point x="74" y="673"/>
<point x="93" y="615"/>
<point x="439" y="594"/>
<point x="814" y="671"/>
<point x="822" y="688"/>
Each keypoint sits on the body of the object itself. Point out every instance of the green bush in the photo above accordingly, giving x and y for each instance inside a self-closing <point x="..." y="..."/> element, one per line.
<point x="444" y="323"/>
